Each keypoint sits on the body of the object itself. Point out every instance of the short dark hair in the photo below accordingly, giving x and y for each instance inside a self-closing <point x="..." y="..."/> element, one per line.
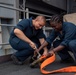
<point x="41" y="18"/>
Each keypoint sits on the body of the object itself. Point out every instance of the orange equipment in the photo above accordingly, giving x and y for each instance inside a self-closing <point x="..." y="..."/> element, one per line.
<point x="51" y="59"/>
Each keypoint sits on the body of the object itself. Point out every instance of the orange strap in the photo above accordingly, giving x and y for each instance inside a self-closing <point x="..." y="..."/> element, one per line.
<point x="49" y="61"/>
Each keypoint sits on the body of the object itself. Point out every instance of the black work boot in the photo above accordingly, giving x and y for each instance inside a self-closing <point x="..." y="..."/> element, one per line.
<point x="15" y="60"/>
<point x="32" y="59"/>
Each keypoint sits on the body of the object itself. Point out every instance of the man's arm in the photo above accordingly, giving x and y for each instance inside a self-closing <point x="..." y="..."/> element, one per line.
<point x="45" y="48"/>
<point x="43" y="44"/>
<point x="60" y="47"/>
<point x="23" y="37"/>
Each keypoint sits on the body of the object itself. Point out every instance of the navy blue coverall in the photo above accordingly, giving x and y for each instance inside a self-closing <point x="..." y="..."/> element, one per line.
<point x="23" y="48"/>
<point x="67" y="39"/>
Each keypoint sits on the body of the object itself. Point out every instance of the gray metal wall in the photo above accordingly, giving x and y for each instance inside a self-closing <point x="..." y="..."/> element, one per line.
<point x="47" y="6"/>
<point x="71" y="6"/>
<point x="62" y="4"/>
<point x="7" y="17"/>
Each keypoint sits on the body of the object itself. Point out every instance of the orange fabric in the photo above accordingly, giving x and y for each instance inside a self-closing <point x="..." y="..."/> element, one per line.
<point x="49" y="61"/>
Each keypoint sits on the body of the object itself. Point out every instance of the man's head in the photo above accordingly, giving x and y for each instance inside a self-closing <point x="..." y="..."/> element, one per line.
<point x="39" y="22"/>
<point x="56" y="22"/>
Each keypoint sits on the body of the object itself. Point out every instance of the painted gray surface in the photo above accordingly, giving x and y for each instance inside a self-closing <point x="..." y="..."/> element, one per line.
<point x="10" y="17"/>
<point x="9" y="68"/>
<point x="57" y="3"/>
<point x="72" y="6"/>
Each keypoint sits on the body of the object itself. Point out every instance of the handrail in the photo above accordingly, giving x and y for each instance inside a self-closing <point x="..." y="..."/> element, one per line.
<point x="22" y="10"/>
<point x="4" y="43"/>
<point x="11" y="25"/>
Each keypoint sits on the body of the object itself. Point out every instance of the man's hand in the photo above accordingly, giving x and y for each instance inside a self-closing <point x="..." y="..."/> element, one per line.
<point x="51" y="52"/>
<point x="45" y="53"/>
<point x="33" y="45"/>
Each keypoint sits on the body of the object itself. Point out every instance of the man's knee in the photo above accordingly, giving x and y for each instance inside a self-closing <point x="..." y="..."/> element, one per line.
<point x="72" y="44"/>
